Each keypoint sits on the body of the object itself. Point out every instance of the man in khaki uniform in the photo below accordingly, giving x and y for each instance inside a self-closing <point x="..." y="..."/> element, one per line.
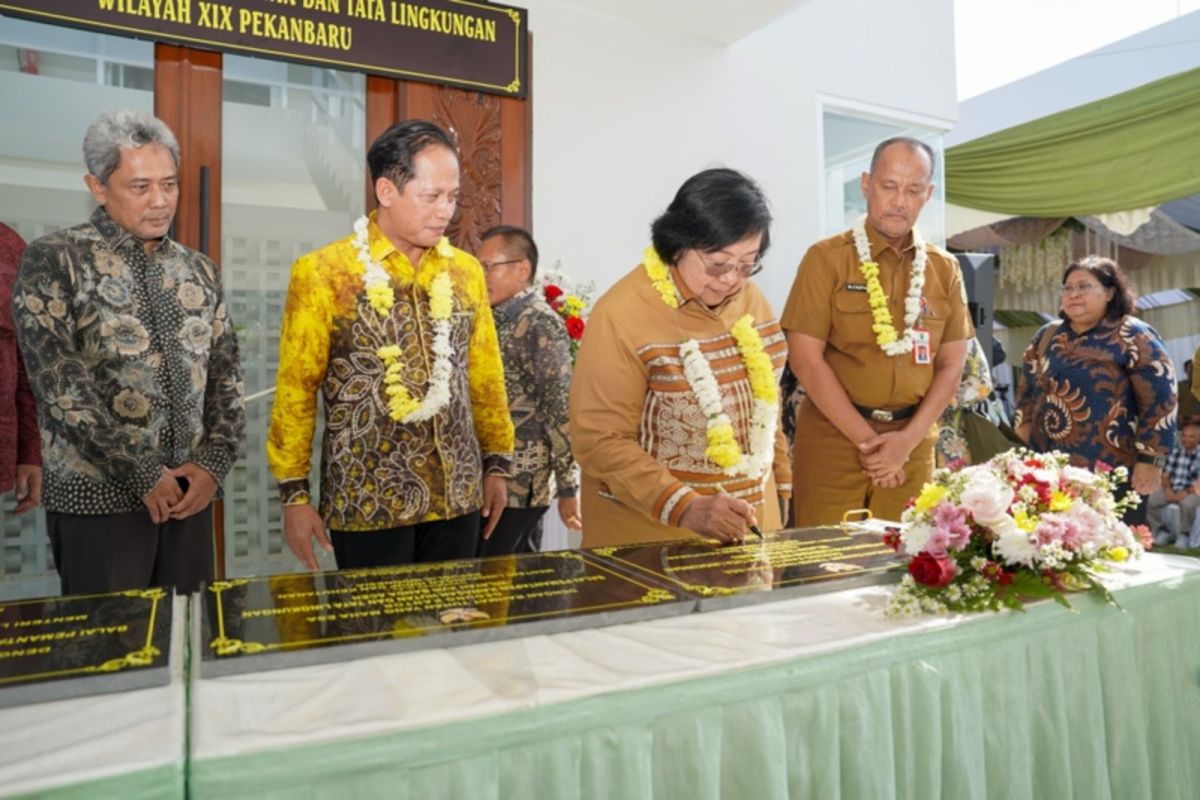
<point x="865" y="438"/>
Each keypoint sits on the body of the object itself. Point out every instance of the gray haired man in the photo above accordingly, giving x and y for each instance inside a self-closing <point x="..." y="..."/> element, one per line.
<point x="133" y="361"/>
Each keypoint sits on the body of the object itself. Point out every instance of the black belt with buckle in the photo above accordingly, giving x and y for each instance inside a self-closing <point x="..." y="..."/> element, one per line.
<point x="886" y="414"/>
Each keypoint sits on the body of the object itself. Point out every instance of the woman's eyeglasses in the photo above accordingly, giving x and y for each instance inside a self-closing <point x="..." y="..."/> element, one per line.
<point x="722" y="268"/>
<point x="1080" y="288"/>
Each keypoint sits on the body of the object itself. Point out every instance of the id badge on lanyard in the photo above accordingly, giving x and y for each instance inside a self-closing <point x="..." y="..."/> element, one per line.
<point x="921" y="348"/>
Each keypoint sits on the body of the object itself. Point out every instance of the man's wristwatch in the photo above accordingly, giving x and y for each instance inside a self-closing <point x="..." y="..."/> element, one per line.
<point x="1152" y="460"/>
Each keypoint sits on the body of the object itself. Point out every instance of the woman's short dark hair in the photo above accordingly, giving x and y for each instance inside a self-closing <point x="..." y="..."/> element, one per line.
<point x="713" y="209"/>
<point x="1110" y="276"/>
<point x="391" y="155"/>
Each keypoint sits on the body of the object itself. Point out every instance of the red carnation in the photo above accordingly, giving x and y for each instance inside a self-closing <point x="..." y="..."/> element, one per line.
<point x="994" y="572"/>
<point x="552" y="292"/>
<point x="931" y="571"/>
<point x="892" y="538"/>
<point x="575" y="327"/>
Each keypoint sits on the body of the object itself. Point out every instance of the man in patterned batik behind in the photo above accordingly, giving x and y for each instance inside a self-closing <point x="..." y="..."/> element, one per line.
<point x="391" y="326"/>
<point x="133" y="361"/>
<point x="537" y="376"/>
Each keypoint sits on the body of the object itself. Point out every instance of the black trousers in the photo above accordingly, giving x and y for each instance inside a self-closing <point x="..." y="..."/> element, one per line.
<point x="518" y="531"/>
<point x="99" y="553"/>
<point x="443" y="540"/>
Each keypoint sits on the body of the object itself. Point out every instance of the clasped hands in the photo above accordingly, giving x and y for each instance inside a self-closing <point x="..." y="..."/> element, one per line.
<point x="883" y="456"/>
<point x="168" y="500"/>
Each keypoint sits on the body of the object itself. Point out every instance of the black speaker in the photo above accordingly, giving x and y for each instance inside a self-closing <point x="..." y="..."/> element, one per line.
<point x="979" y="276"/>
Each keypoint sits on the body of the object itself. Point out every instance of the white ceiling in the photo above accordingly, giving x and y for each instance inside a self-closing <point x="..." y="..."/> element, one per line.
<point x="720" y="21"/>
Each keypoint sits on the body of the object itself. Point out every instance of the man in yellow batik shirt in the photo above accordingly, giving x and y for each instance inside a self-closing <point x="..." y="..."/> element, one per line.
<point x="391" y="325"/>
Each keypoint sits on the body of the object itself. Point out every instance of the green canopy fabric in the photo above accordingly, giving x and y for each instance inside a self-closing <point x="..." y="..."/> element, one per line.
<point x="1135" y="149"/>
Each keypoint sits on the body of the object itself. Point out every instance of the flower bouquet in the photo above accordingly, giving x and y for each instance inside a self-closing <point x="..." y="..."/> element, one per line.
<point x="1020" y="526"/>
<point x="571" y="304"/>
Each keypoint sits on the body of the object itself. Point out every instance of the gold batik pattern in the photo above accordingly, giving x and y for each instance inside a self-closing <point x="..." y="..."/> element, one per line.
<point x="376" y="472"/>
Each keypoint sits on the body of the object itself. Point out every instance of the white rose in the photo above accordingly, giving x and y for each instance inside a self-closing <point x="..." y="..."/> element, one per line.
<point x="986" y="497"/>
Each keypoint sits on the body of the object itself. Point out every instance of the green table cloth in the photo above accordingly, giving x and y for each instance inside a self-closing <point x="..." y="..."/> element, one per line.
<point x="813" y="697"/>
<point x="128" y="745"/>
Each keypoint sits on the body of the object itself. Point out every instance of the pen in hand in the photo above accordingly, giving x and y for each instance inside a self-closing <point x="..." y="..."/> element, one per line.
<point x="753" y="528"/>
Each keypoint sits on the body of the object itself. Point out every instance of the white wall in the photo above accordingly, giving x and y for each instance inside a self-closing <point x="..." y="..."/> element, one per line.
<point x="897" y="56"/>
<point x="623" y="113"/>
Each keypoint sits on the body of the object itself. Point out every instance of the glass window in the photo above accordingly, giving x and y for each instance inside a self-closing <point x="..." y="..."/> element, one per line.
<point x="293" y="165"/>
<point x="64" y="78"/>
<point x="850" y="138"/>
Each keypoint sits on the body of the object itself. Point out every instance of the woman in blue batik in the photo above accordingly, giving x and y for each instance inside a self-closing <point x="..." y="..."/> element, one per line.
<point x="1098" y="384"/>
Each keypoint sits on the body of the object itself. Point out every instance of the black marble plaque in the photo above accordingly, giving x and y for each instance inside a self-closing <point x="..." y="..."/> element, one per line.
<point x="784" y="564"/>
<point x="299" y="619"/>
<point x="58" y="647"/>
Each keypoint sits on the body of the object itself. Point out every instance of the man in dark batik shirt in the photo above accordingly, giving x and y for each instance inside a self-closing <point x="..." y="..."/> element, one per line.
<point x="133" y="361"/>
<point x="537" y="375"/>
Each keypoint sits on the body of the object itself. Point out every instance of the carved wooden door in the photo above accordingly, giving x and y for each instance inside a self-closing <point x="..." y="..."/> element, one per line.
<point x="494" y="136"/>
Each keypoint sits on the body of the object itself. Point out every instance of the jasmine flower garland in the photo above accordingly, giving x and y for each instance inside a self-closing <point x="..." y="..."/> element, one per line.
<point x="722" y="448"/>
<point x="886" y="336"/>
<point x="402" y="406"/>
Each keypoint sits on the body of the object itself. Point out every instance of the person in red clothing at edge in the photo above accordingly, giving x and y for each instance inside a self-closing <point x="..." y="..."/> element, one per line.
<point x="20" y="448"/>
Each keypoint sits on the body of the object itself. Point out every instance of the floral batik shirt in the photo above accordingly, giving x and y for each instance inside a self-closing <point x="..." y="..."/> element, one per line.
<point x="537" y="375"/>
<point x="134" y="363"/>
<point x="377" y="472"/>
<point x="973" y="392"/>
<point x="1104" y="395"/>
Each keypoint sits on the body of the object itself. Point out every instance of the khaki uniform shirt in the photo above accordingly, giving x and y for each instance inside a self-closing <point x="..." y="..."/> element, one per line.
<point x="636" y="425"/>
<point x="829" y="302"/>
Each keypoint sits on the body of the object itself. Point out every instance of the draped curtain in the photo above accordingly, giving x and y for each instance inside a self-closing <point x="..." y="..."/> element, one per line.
<point x="1135" y="149"/>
